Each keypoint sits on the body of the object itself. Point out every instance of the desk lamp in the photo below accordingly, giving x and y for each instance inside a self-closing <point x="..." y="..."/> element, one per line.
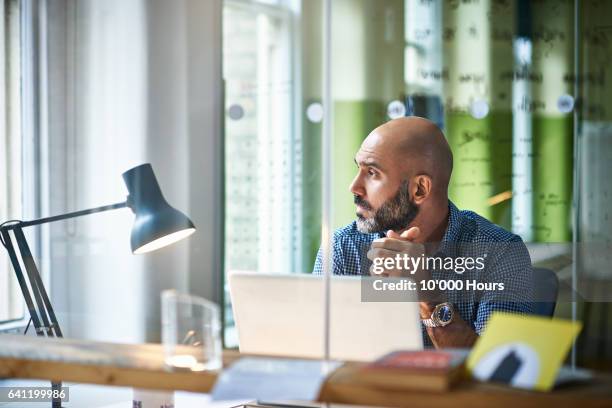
<point x="156" y="225"/>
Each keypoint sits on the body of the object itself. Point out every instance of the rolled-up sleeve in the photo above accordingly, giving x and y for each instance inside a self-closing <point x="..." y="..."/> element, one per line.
<point x="337" y="260"/>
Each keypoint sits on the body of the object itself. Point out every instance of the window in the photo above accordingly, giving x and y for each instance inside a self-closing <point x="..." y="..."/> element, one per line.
<point x="11" y="304"/>
<point x="262" y="180"/>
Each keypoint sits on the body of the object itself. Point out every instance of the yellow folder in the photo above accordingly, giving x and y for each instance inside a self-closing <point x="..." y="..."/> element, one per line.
<point x="522" y="351"/>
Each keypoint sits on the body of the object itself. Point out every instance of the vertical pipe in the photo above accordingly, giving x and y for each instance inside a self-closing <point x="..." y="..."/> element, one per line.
<point x="326" y="146"/>
<point x="522" y="142"/>
<point x="522" y="132"/>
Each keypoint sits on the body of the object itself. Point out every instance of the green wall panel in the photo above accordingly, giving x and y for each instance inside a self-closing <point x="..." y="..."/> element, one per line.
<point x="552" y="172"/>
<point x="311" y="191"/>
<point x="482" y="151"/>
<point x="353" y="121"/>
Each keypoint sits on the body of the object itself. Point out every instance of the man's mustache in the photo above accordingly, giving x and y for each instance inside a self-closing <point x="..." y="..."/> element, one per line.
<point x="362" y="203"/>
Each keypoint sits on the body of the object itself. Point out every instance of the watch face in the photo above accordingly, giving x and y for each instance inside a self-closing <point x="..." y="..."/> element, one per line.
<point x="445" y="314"/>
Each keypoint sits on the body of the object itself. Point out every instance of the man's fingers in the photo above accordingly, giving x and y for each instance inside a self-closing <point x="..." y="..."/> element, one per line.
<point x="411" y="234"/>
<point x="393" y="234"/>
<point x="374" y="253"/>
<point x="390" y="243"/>
<point x="396" y="245"/>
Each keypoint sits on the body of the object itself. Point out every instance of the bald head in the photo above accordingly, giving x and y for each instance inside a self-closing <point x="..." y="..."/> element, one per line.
<point x="418" y="146"/>
<point x="404" y="168"/>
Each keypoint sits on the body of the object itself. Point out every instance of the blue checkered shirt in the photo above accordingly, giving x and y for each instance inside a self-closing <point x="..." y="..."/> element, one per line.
<point x="467" y="234"/>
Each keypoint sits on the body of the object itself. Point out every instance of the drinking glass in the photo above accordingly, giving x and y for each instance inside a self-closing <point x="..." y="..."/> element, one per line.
<point x="190" y="332"/>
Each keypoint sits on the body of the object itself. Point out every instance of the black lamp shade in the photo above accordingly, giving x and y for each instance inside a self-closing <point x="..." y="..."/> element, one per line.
<point x="157" y="224"/>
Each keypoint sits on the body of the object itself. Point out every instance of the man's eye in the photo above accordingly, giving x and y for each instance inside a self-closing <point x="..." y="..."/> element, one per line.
<point x="371" y="172"/>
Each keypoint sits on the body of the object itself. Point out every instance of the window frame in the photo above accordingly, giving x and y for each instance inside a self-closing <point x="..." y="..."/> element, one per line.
<point x="25" y="153"/>
<point x="11" y="139"/>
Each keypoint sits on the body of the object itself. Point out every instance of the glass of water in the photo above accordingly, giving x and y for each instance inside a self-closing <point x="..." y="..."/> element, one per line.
<point x="191" y="330"/>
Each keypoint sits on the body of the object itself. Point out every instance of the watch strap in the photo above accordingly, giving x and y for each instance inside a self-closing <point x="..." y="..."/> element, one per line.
<point x="429" y="323"/>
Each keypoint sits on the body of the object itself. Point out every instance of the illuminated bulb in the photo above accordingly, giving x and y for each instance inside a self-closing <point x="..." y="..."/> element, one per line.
<point x="479" y="109"/>
<point x="396" y="109"/>
<point x="315" y="112"/>
<point x="164" y="241"/>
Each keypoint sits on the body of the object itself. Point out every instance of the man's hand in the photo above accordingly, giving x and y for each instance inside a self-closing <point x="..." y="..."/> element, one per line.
<point x="403" y="245"/>
<point x="458" y="333"/>
<point x="396" y="244"/>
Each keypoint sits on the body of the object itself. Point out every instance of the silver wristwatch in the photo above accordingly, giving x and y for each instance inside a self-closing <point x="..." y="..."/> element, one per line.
<point x="442" y="316"/>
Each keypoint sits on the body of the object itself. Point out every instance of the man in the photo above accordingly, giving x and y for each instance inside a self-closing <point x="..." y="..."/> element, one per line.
<point x="401" y="195"/>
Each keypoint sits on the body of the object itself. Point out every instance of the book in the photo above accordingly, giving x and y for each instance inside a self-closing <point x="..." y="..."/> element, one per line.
<point x="427" y="370"/>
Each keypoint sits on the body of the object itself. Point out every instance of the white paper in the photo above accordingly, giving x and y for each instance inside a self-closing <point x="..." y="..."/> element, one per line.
<point x="272" y="379"/>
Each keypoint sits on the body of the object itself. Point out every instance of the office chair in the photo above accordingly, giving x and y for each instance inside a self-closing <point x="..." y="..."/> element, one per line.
<point x="546" y="288"/>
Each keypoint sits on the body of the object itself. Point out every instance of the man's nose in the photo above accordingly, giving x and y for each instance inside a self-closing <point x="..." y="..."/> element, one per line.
<point x="356" y="187"/>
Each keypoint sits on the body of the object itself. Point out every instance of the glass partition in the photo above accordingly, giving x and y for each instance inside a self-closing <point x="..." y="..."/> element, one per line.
<point x="495" y="76"/>
<point x="592" y="187"/>
<point x="519" y="90"/>
<point x="272" y="121"/>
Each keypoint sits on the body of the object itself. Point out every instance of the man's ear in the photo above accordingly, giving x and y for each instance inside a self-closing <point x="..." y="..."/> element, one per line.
<point x="421" y="188"/>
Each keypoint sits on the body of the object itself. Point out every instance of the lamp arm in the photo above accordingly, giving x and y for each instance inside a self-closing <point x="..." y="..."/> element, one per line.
<point x="74" y="214"/>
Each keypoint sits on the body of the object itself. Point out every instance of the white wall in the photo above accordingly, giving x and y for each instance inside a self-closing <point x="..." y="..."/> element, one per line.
<point x="132" y="81"/>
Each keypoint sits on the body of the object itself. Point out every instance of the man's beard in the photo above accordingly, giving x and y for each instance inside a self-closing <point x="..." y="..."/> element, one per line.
<point x="394" y="214"/>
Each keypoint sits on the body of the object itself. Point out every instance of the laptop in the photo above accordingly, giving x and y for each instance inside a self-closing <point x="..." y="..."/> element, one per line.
<point x="282" y="315"/>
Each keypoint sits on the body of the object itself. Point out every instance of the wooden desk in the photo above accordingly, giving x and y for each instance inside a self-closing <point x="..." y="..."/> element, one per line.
<point x="142" y="366"/>
<point x="135" y="365"/>
<point x="342" y="387"/>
